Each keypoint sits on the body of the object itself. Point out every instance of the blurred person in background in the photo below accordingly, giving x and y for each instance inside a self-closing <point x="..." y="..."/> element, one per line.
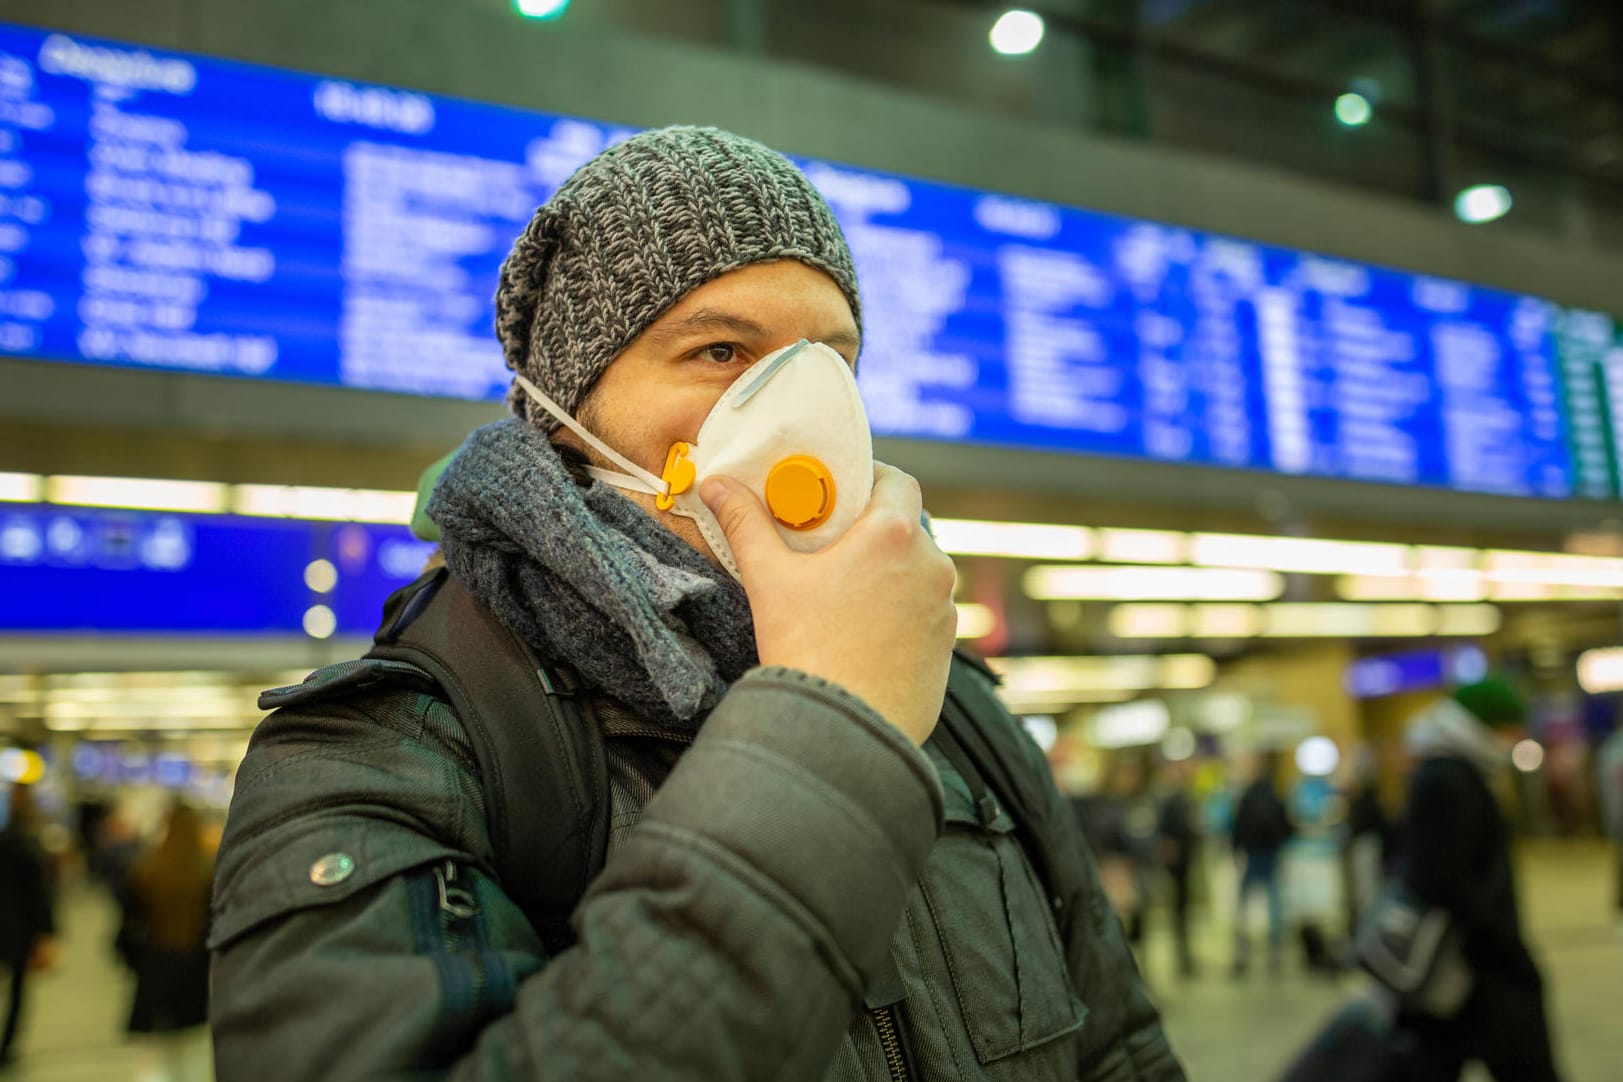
<point x="1177" y="842"/>
<point x="1368" y="837"/>
<point x="166" y="917"/>
<point x="27" y="903"/>
<point x="1262" y="827"/>
<point x="1118" y="823"/>
<point x="1609" y="781"/>
<point x="1455" y="854"/>
<point x="777" y="865"/>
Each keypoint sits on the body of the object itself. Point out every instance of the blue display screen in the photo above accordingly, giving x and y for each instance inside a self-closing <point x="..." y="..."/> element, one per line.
<point x="184" y="213"/>
<point x="77" y="570"/>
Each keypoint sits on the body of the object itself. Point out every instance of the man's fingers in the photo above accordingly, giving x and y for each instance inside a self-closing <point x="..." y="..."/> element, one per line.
<point x="896" y="491"/>
<point x="743" y="519"/>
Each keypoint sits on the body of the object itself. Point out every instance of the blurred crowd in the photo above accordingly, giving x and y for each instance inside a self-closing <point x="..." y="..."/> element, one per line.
<point x="159" y="874"/>
<point x="1320" y="867"/>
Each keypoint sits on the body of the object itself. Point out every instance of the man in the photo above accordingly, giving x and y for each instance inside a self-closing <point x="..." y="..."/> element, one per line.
<point x="1455" y="854"/>
<point x="27" y="928"/>
<point x="1262" y="826"/>
<point x="775" y="902"/>
<point x="1609" y="778"/>
<point x="1177" y="843"/>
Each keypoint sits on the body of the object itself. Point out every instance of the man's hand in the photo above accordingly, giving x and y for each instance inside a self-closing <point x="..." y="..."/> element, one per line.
<point x="872" y="612"/>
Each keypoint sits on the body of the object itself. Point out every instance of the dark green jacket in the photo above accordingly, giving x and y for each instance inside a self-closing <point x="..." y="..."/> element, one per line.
<point x="798" y="865"/>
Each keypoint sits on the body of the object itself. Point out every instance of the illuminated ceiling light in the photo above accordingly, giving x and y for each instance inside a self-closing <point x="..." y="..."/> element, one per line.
<point x="321" y="576"/>
<point x="21" y="766"/>
<point x="376" y="505"/>
<point x="1015" y="540"/>
<point x="1553" y="569"/>
<point x="1179" y="744"/>
<point x="324" y="504"/>
<point x="1482" y="203"/>
<point x="1142" y="546"/>
<point x="1130" y="725"/>
<point x="1225" y="621"/>
<point x="1187" y="671"/>
<point x="1527" y="755"/>
<point x="137" y="494"/>
<point x="1353" y="109"/>
<point x="1318" y="756"/>
<point x="1149" y="621"/>
<point x="1301" y="554"/>
<point x="1016" y="32"/>
<point x="1028" y="677"/>
<point x="1445" y="558"/>
<point x="1043" y="729"/>
<point x="1224" y="712"/>
<point x="319" y="622"/>
<point x="541" y="9"/>
<point x="1289" y="620"/>
<point x="1059" y="700"/>
<point x="21" y="487"/>
<point x="975" y="621"/>
<point x="1424" y="586"/>
<point x="1600" y="671"/>
<point x="291" y="501"/>
<point x="1110" y="583"/>
<point x="1467" y="621"/>
<point x="1313" y="620"/>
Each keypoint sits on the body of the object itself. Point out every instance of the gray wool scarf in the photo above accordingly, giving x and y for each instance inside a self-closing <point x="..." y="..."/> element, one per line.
<point x="590" y="579"/>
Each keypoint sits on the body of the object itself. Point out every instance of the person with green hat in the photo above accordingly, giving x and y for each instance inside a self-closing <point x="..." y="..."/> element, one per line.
<point x="794" y="833"/>
<point x="1455" y="855"/>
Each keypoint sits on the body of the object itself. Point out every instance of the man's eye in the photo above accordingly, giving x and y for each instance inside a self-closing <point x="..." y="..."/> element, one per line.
<point x="719" y="352"/>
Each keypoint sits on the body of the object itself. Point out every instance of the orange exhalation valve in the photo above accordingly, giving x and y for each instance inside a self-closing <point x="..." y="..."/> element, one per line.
<point x="800" y="492"/>
<point x="678" y="473"/>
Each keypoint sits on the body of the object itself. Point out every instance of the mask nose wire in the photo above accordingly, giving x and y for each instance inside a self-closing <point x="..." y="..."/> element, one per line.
<point x="764" y="376"/>
<point x="648" y="482"/>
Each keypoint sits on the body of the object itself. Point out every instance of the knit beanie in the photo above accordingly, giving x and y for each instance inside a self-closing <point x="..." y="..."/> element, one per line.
<point x="632" y="232"/>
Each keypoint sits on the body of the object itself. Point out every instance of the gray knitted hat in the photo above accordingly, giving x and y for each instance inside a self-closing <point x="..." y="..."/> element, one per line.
<point x="632" y="232"/>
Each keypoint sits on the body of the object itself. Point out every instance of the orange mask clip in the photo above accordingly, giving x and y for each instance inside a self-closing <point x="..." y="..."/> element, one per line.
<point x="679" y="473"/>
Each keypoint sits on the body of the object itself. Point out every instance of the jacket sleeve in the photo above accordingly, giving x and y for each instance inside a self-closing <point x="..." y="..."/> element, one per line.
<point x="729" y="937"/>
<point x="1122" y="1039"/>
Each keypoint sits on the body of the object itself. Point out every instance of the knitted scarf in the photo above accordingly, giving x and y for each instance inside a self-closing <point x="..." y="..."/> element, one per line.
<point x="590" y="579"/>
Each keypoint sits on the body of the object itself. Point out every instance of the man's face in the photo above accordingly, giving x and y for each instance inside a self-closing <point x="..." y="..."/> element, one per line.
<point x="661" y="387"/>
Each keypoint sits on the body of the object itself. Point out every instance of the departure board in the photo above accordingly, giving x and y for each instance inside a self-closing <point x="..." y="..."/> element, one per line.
<point x="183" y="213"/>
<point x="72" y="569"/>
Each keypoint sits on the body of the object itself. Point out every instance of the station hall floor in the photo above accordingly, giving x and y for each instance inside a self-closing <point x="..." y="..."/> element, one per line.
<point x="1225" y="1030"/>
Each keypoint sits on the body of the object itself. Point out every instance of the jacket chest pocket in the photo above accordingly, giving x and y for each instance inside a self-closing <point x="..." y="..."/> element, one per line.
<point x="999" y="944"/>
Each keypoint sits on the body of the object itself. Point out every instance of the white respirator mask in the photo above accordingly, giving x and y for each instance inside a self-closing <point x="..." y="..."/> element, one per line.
<point x="791" y="428"/>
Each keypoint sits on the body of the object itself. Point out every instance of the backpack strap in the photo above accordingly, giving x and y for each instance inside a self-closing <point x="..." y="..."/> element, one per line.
<point x="548" y="825"/>
<point x="986" y="755"/>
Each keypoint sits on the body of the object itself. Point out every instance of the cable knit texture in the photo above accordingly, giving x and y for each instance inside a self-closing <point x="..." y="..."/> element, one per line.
<point x="632" y="232"/>
<point x="589" y="578"/>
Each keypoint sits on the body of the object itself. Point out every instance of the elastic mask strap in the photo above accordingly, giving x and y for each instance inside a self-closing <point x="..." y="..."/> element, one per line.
<point x="640" y="480"/>
<point x="624" y="480"/>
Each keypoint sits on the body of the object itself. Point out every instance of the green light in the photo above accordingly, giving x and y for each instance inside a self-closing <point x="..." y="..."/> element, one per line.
<point x="541" y="9"/>
<point x="1353" y="110"/>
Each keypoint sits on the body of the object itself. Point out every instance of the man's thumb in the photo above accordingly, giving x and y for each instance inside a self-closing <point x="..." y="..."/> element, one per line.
<point x="741" y="516"/>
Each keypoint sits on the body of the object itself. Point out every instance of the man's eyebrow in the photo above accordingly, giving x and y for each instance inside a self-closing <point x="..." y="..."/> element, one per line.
<point x="848" y="339"/>
<point x="711" y="320"/>
<point x="705" y="320"/>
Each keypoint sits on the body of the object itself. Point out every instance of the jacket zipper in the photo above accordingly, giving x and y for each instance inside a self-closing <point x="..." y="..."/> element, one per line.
<point x="884" y="1020"/>
<point x="666" y="735"/>
<point x="460" y="906"/>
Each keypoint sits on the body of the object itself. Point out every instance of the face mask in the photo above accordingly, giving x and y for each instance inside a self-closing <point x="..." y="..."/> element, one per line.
<point x="791" y="427"/>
